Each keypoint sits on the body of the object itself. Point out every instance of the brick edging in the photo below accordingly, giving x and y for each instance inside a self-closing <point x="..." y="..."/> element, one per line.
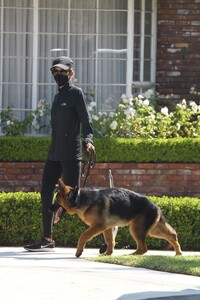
<point x="175" y="179"/>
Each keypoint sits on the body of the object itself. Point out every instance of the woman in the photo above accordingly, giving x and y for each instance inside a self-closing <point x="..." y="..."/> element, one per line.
<point x="68" y="113"/>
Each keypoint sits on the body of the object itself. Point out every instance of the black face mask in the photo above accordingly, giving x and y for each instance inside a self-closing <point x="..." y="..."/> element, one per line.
<point x="61" y="79"/>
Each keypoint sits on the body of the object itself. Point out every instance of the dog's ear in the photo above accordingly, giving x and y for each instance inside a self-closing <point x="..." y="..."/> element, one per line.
<point x="61" y="183"/>
<point x="73" y="196"/>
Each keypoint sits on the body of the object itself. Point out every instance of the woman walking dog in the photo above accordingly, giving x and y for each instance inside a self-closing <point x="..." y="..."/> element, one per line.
<point x="68" y="113"/>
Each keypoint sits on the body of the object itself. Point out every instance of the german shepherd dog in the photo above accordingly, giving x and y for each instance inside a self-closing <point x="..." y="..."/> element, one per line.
<point x="102" y="209"/>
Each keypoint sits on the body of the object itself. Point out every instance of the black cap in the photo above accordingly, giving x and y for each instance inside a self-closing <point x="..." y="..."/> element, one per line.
<point x="63" y="62"/>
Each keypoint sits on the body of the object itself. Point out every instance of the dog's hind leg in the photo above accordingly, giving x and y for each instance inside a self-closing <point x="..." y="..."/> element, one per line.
<point x="109" y="240"/>
<point x="138" y="232"/>
<point x="86" y="236"/>
<point x="164" y="231"/>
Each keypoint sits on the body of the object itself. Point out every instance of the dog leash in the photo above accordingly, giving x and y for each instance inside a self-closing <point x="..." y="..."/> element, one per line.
<point x="89" y="163"/>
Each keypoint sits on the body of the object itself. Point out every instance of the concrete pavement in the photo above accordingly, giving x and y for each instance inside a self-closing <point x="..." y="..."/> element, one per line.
<point x="59" y="275"/>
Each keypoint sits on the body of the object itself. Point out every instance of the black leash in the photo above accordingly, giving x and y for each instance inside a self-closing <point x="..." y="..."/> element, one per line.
<point x="89" y="163"/>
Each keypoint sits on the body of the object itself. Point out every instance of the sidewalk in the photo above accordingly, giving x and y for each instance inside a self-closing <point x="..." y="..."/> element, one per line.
<point x="59" y="275"/>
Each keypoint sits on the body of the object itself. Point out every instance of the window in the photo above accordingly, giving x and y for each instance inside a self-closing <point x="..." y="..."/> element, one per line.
<point x="112" y="43"/>
<point x="144" y="46"/>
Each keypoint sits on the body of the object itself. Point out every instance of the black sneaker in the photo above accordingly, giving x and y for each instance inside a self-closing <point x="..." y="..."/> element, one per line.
<point x="41" y="246"/>
<point x="103" y="248"/>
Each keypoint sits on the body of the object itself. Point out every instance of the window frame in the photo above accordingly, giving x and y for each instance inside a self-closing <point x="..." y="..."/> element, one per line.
<point x="130" y="85"/>
<point x="141" y="85"/>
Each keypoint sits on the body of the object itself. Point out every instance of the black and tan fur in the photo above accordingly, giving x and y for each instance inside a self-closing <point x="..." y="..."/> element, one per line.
<point x="101" y="209"/>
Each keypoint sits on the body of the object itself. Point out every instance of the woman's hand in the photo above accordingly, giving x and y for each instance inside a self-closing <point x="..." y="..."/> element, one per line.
<point x="89" y="147"/>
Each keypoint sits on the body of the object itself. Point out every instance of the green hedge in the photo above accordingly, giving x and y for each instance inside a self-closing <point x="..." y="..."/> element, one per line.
<point x="108" y="149"/>
<point x="20" y="223"/>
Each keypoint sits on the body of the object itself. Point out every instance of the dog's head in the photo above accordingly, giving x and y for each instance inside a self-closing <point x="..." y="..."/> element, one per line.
<point x="64" y="201"/>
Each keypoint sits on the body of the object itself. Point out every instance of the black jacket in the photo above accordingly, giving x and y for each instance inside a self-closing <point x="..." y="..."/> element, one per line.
<point x="68" y="113"/>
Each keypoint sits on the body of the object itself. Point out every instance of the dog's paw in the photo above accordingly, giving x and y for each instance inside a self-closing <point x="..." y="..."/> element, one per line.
<point x="108" y="252"/>
<point x="139" y="252"/>
<point x="78" y="253"/>
<point x="179" y="253"/>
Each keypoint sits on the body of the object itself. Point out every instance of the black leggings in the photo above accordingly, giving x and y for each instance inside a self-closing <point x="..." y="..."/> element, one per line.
<point x="53" y="170"/>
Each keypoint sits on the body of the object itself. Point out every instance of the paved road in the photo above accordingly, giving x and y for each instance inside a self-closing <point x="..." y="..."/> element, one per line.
<point x="59" y="275"/>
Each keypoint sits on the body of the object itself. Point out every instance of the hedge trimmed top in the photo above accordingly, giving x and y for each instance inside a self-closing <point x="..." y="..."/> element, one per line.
<point x="186" y="150"/>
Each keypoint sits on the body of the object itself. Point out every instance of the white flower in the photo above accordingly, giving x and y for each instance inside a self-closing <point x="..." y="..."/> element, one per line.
<point x="149" y="93"/>
<point x="192" y="103"/>
<point x="90" y="108"/>
<point x="129" y="113"/>
<point x="146" y="102"/>
<point x="140" y="97"/>
<point x="113" y="125"/>
<point x="121" y="105"/>
<point x="41" y="113"/>
<point x="96" y="118"/>
<point x="152" y="117"/>
<point x="184" y="104"/>
<point x="93" y="104"/>
<point x="193" y="106"/>
<point x="178" y="126"/>
<point x="41" y="104"/>
<point x="8" y="123"/>
<point x="125" y="98"/>
<point x="131" y="101"/>
<point x="192" y="88"/>
<point x="164" y="111"/>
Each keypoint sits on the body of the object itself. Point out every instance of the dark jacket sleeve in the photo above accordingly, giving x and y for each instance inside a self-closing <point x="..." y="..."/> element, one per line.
<point x="85" y="118"/>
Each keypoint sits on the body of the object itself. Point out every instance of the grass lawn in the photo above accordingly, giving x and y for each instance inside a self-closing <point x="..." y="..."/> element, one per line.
<point x="189" y="265"/>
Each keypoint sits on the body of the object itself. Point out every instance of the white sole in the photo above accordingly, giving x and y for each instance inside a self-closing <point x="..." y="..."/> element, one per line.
<point x="40" y="250"/>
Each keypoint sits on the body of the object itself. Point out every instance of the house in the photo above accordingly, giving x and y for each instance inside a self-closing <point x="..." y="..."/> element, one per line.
<point x="118" y="47"/>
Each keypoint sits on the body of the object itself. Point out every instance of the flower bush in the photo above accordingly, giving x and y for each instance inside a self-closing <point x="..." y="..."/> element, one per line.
<point x="135" y="117"/>
<point x="13" y="126"/>
<point x="141" y="117"/>
<point x="43" y="110"/>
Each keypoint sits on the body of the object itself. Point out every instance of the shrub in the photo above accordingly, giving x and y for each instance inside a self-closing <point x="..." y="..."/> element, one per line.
<point x="108" y="149"/>
<point x="20" y="223"/>
<point x="23" y="148"/>
<point x="20" y="218"/>
<point x="184" y="215"/>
